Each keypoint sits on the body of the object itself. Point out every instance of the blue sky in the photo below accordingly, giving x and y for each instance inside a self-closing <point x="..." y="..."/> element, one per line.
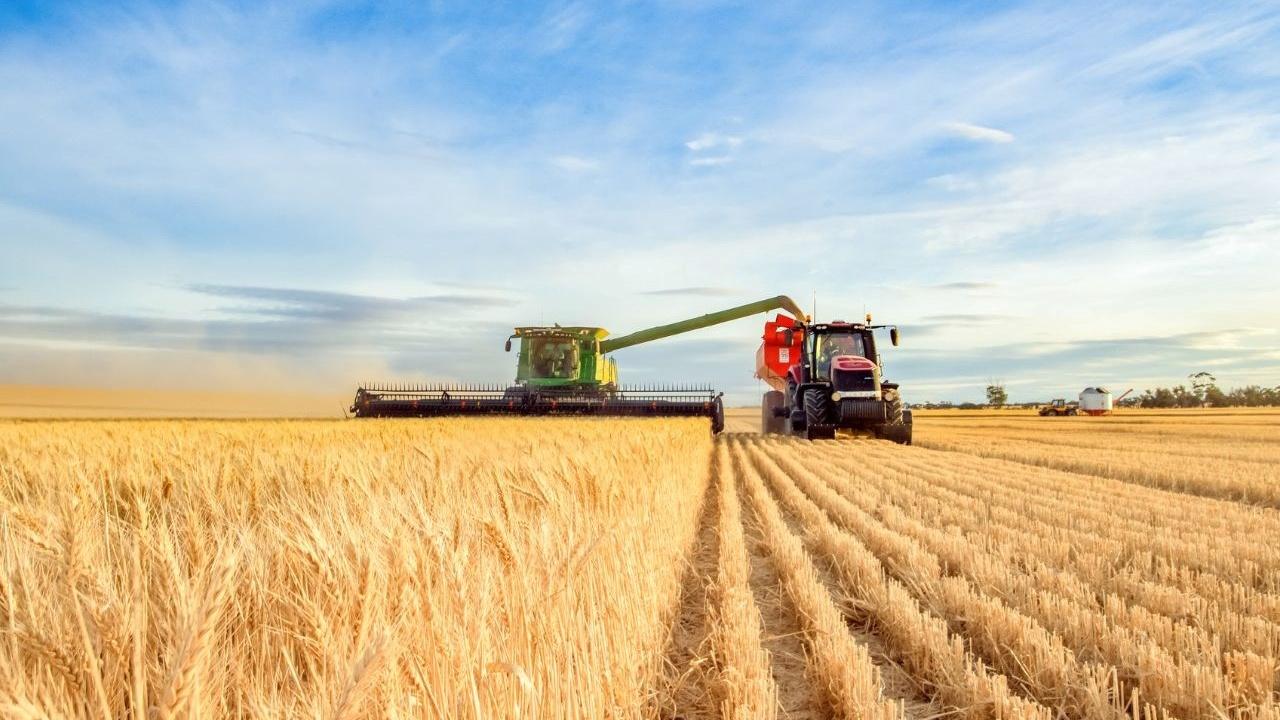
<point x="248" y="195"/>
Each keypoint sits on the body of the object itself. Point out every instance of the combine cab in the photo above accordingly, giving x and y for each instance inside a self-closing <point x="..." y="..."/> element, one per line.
<point x="826" y="377"/>
<point x="566" y="371"/>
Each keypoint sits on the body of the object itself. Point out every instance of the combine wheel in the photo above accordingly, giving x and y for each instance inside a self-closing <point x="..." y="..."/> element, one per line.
<point x="717" y="416"/>
<point x="771" y="423"/>
<point x="816" y="423"/>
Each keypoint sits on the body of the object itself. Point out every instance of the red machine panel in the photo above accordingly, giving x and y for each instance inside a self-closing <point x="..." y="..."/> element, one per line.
<point x="775" y="356"/>
<point x="852" y="363"/>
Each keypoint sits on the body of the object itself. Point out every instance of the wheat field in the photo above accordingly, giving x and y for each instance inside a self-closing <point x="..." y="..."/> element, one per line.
<point x="560" y="568"/>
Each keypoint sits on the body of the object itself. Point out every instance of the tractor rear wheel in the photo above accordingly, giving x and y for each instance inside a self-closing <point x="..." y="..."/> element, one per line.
<point x="816" y="423"/>
<point x="771" y="423"/>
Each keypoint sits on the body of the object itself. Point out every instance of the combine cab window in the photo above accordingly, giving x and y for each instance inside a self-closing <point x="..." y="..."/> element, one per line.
<point x="555" y="358"/>
<point x="833" y="345"/>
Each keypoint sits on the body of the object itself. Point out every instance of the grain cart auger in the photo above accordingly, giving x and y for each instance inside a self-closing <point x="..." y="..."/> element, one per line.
<point x="826" y="376"/>
<point x="567" y="371"/>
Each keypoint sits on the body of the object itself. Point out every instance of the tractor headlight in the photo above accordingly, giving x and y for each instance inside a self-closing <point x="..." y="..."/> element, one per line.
<point x="836" y="396"/>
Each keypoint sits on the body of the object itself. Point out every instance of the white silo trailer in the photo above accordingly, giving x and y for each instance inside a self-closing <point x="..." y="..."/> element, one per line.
<point x="1095" y="401"/>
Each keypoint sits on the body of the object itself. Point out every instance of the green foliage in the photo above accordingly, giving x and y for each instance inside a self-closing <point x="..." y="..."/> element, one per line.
<point x="996" y="395"/>
<point x="1205" y="392"/>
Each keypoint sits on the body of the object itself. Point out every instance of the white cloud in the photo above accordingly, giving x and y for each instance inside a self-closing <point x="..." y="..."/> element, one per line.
<point x="575" y="164"/>
<point x="712" y="141"/>
<point x="979" y="133"/>
<point x="711" y="161"/>
<point x="952" y="182"/>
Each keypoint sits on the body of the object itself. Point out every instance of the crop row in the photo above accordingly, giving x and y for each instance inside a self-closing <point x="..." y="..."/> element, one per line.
<point x="1067" y="637"/>
<point x="1220" y="468"/>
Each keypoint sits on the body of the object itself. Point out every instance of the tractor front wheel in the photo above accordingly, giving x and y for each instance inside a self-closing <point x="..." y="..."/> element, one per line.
<point x="816" y="421"/>
<point x="898" y="427"/>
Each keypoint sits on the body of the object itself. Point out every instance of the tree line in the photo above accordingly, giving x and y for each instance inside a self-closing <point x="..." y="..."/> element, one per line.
<point x="1204" y="392"/>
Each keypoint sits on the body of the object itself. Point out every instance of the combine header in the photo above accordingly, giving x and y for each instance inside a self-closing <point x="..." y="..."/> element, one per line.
<point x="567" y="371"/>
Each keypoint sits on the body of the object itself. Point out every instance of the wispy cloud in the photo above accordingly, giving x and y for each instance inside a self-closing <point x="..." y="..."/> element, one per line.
<point x="713" y="141"/>
<point x="979" y="133"/>
<point x="275" y="320"/>
<point x="712" y="149"/>
<point x="966" y="285"/>
<point x="694" y="292"/>
<point x="573" y="163"/>
<point x="344" y="307"/>
<point x="965" y="318"/>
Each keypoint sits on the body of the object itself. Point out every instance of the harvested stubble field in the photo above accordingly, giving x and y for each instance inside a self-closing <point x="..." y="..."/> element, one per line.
<point x="630" y="568"/>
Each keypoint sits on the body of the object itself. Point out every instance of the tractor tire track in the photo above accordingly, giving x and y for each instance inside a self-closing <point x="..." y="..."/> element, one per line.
<point x="798" y="699"/>
<point x="686" y="693"/>
<point x="896" y="682"/>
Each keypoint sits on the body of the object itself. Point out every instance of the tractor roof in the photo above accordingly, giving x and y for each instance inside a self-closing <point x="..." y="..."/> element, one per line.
<point x="838" y="325"/>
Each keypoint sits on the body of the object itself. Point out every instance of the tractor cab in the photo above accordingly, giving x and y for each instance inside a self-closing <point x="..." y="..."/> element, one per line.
<point x="825" y="344"/>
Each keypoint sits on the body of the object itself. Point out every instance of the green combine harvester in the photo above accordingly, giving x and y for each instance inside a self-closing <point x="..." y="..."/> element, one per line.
<point x="567" y="371"/>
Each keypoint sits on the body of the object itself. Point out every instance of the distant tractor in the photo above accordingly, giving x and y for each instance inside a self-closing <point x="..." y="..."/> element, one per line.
<point x="826" y="376"/>
<point x="1057" y="408"/>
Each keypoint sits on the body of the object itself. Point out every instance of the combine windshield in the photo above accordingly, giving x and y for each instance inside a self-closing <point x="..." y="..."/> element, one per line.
<point x="555" y="358"/>
<point x="834" y="345"/>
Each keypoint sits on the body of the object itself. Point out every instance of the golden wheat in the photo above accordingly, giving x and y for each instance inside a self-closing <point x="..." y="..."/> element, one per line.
<point x="1234" y="456"/>
<point x="562" y="568"/>
<point x="745" y="685"/>
<point x="838" y="664"/>
<point x="467" y="569"/>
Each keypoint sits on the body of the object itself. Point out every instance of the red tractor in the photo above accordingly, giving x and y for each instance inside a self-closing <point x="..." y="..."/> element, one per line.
<point x="826" y="376"/>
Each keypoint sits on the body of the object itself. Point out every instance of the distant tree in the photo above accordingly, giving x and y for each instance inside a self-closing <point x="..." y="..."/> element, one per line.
<point x="1205" y="391"/>
<point x="1200" y="384"/>
<point x="1164" y="398"/>
<point x="1184" y="398"/>
<point x="996" y="395"/>
<point x="1214" y="397"/>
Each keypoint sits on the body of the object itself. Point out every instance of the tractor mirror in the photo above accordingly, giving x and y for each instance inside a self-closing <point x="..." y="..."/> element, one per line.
<point x="509" y="344"/>
<point x="789" y="336"/>
<point x="893" y="336"/>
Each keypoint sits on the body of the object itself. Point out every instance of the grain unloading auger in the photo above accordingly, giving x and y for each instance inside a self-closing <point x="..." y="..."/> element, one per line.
<point x="567" y="371"/>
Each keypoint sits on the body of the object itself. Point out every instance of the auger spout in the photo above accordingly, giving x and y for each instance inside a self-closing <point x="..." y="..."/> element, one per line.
<point x="662" y="331"/>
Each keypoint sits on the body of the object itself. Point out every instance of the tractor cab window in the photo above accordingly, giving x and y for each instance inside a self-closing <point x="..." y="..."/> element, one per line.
<point x="555" y="358"/>
<point x="834" y="345"/>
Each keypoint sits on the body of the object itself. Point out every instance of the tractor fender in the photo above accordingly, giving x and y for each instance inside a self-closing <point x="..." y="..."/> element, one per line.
<point x="794" y="375"/>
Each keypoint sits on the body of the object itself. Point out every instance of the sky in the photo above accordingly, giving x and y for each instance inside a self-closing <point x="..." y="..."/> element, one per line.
<point x="302" y="197"/>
